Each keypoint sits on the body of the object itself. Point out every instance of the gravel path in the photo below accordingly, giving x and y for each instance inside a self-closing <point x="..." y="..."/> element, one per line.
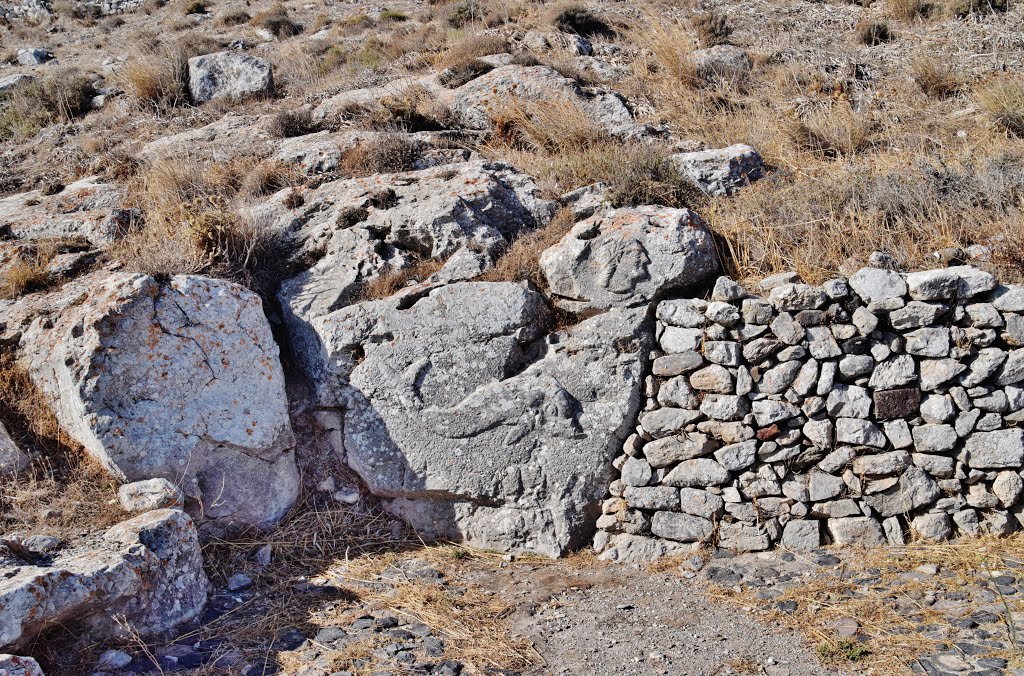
<point x="622" y="619"/>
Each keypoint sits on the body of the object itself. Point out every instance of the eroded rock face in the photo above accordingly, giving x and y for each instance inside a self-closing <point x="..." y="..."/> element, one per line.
<point x="628" y="257"/>
<point x="148" y="570"/>
<point x="473" y="427"/>
<point x="364" y="227"/>
<point x="87" y="209"/>
<point x="179" y="381"/>
<point x="13" y="665"/>
<point x="12" y="458"/>
<point x="722" y="171"/>
<point x="228" y="75"/>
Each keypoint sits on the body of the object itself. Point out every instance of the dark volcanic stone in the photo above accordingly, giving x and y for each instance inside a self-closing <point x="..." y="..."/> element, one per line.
<point x="901" y="403"/>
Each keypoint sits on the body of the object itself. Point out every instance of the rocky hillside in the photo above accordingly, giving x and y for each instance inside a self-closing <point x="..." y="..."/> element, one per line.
<point x="288" y="291"/>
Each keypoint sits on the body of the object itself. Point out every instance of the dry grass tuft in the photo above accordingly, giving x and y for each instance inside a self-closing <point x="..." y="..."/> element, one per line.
<point x="937" y="79"/>
<point x="471" y="48"/>
<point x="832" y="132"/>
<point x="290" y="123"/>
<point x="521" y="262"/>
<point x="578" y="19"/>
<point x="157" y="75"/>
<point x="390" y="282"/>
<point x="234" y="17"/>
<point x="1002" y="99"/>
<point x="873" y="33"/>
<point x="65" y="492"/>
<point x="60" y="96"/>
<point x="277" y="21"/>
<point x="712" y="29"/>
<point x="907" y="10"/>
<point x="392" y="154"/>
<point x="27" y="272"/>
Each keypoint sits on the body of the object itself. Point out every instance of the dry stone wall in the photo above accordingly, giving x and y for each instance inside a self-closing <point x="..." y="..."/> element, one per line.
<point x="861" y="411"/>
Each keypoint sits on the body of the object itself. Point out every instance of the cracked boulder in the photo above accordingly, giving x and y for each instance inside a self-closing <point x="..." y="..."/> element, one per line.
<point x="178" y="380"/>
<point x="86" y="209"/>
<point x="629" y="257"/>
<point x="148" y="570"/>
<point x="361" y="228"/>
<point x="472" y="423"/>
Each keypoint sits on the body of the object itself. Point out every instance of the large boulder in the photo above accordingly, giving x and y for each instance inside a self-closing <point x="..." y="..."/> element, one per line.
<point x="472" y="426"/>
<point x="178" y="380"/>
<point x="481" y="101"/>
<point x="12" y="458"/>
<point x="229" y="75"/>
<point x="148" y="570"/>
<point x="362" y="228"/>
<point x="629" y="257"/>
<point x="88" y="209"/>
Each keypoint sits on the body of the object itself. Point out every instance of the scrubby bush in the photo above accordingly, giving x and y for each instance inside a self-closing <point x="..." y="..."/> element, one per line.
<point x="459" y="14"/>
<point x="936" y="79"/>
<point x="60" y="96"/>
<point x="277" y="22"/>
<point x="712" y="29"/>
<point x="392" y="154"/>
<point x="581" y="21"/>
<point x="290" y="123"/>
<point x="234" y="17"/>
<point x="874" y="33"/>
<point x="194" y="7"/>
<point x="392" y="16"/>
<point x="1002" y="99"/>
<point x="157" y="75"/>
<point x="459" y="74"/>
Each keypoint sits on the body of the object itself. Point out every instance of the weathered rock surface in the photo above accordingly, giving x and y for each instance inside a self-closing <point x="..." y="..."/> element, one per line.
<point x="473" y="427"/>
<point x="362" y="228"/>
<point x="12" y="458"/>
<point x="86" y="209"/>
<point x="150" y="494"/>
<point x="628" y="257"/>
<point x="180" y="381"/>
<point x="229" y="75"/>
<point x="13" y="665"/>
<point x="148" y="570"/>
<point x="722" y="171"/>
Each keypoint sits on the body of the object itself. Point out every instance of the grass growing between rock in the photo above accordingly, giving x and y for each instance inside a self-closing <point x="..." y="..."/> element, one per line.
<point x="892" y="594"/>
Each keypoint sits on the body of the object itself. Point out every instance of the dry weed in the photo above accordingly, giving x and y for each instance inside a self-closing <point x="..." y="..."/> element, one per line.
<point x="60" y="96"/>
<point x="521" y="262"/>
<point x="157" y="75"/>
<point x="1002" y="99"/>
<point x="390" y="282"/>
<point x="936" y="78"/>
<point x="394" y="153"/>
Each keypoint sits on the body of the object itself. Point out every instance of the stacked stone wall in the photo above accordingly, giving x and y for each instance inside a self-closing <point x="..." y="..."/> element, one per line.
<point x="861" y="411"/>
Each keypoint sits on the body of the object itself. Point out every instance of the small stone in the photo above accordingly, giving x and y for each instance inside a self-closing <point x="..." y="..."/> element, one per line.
<point x="675" y="340"/>
<point x="684" y="313"/>
<point x="725" y="407"/>
<point x="636" y="472"/>
<point x="855" y="365"/>
<point x="916" y="314"/>
<point x="1008" y="487"/>
<point x="935" y="527"/>
<point x="820" y="433"/>
<point x="996" y="450"/>
<point x="936" y="372"/>
<point x="727" y="290"/>
<point x="677" y="364"/>
<point x="914" y="489"/>
<point x="939" y="466"/>
<point x="787" y="330"/>
<point x="668" y="451"/>
<point x="697" y="473"/>
<point x="757" y="311"/>
<point x="898" y="432"/>
<point x="936" y="408"/>
<point x="777" y="379"/>
<point x="759" y="349"/>
<point x="666" y="421"/>
<point x="899" y="403"/>
<point x="796" y="297"/>
<point x="714" y="378"/>
<point x="934" y="438"/>
<point x="882" y="464"/>
<point x="897" y="371"/>
<point x="778" y="279"/>
<point x="114" y="659"/>
<point x="848" y="401"/>
<point x="726" y="353"/>
<point x="150" y="494"/>
<point x="954" y="282"/>
<point x="701" y="503"/>
<point x="864" y="320"/>
<point x="822" y="486"/>
<point x="767" y="412"/>
<point x="651" y="497"/>
<point x="723" y="313"/>
<point x="821" y="343"/>
<point x="928" y="342"/>
<point x="239" y="582"/>
<point x="735" y="457"/>
<point x="802" y="535"/>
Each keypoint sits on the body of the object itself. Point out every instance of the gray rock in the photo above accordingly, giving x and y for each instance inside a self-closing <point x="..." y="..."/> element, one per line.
<point x="150" y="494"/>
<point x="777" y="379"/>
<point x="939" y="466"/>
<point x="757" y="311"/>
<point x="1008" y="487"/>
<point x="684" y="312"/>
<point x="807" y="378"/>
<point x="760" y="349"/>
<point x="727" y="289"/>
<point x="875" y="284"/>
<point x="87" y="208"/>
<point x="802" y="535"/>
<point x="701" y="503"/>
<point x="735" y="457"/>
<point x="628" y="548"/>
<point x="983" y="366"/>
<point x="34" y="56"/>
<point x="821" y="343"/>
<point x="652" y="497"/>
<point x="725" y="407"/>
<point x="785" y="328"/>
<point x="722" y="171"/>
<point x="996" y="450"/>
<point x="796" y="297"/>
<point x="882" y="464"/>
<point x="723" y="313"/>
<point x="895" y="372"/>
<point x="916" y="314"/>
<point x="936" y="409"/>
<point x="15" y="665"/>
<point x="675" y="340"/>
<point x="984" y="316"/>
<point x="822" y="486"/>
<point x="681" y="527"/>
<point x="820" y="433"/>
<point x="666" y="452"/>
<point x="724" y="352"/>
<point x="915" y="489"/>
<point x="697" y="473"/>
<point x="714" y="378"/>
<point x="743" y="537"/>
<point x="859" y="433"/>
<point x="636" y="472"/>
<point x="936" y="372"/>
<point x="853" y="366"/>
<point x="724" y="62"/>
<point x="954" y="282"/>
<point x="665" y="421"/>
<point x="928" y="342"/>
<point x="1012" y="371"/>
<point x="848" y="401"/>
<point x="203" y="405"/>
<point x="229" y="75"/>
<point x="864" y="320"/>
<point x="677" y="364"/>
<point x="627" y="257"/>
<point x="767" y="411"/>
<point x="934" y="438"/>
<point x="1009" y="298"/>
<point x="861" y="531"/>
<point x="678" y="393"/>
<point x="898" y="433"/>
<point x="148" y="570"/>
<point x="12" y="459"/>
<point x="894" y="531"/>
<point x="935" y="527"/>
